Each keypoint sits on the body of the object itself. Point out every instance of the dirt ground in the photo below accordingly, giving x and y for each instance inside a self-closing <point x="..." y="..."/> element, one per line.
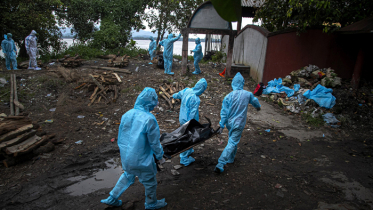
<point x="294" y="166"/>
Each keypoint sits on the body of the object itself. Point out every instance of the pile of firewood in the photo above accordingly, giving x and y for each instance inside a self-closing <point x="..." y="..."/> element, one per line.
<point x="105" y="86"/>
<point x="167" y="90"/>
<point x="19" y="140"/>
<point x="118" y="61"/>
<point x="68" y="61"/>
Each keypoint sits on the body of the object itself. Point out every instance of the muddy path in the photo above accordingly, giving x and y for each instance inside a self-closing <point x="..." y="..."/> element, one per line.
<point x="294" y="166"/>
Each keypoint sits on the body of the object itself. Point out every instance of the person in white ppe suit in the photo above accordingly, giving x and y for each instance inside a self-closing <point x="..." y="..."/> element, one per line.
<point x="32" y="50"/>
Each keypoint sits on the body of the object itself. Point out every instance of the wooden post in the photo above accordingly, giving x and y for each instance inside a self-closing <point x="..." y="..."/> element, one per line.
<point x="11" y="103"/>
<point x="357" y="70"/>
<point x="185" y="52"/>
<point x="239" y="25"/>
<point x="15" y="95"/>
<point x="230" y="54"/>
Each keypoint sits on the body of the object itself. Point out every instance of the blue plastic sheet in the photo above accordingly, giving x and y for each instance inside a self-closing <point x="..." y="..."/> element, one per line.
<point x="331" y="120"/>
<point x="296" y="87"/>
<point x="275" y="86"/>
<point x="322" y="96"/>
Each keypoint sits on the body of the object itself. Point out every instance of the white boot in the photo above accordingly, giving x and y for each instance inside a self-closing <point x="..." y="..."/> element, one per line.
<point x="37" y="68"/>
<point x="32" y="68"/>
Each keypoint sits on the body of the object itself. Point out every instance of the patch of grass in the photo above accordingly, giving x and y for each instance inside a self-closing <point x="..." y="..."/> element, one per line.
<point x="125" y="90"/>
<point x="138" y="88"/>
<point x="317" y="121"/>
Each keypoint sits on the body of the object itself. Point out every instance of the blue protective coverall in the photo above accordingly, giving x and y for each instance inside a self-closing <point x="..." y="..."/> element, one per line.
<point x="9" y="48"/>
<point x="198" y="55"/>
<point x="32" y="50"/>
<point x="189" y="110"/>
<point x="168" y="52"/>
<point x="138" y="140"/>
<point x="233" y="114"/>
<point x="152" y="48"/>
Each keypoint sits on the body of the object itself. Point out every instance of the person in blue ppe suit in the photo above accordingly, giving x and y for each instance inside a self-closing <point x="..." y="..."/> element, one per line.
<point x="168" y="52"/>
<point x="233" y="114"/>
<point x="138" y="141"/>
<point x="10" y="51"/>
<point x="198" y="55"/>
<point x="189" y="110"/>
<point x="32" y="50"/>
<point x="152" y="48"/>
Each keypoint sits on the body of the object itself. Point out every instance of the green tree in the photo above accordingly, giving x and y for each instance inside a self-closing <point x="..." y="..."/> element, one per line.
<point x="330" y="14"/>
<point x="169" y="15"/>
<point x="115" y="17"/>
<point x="21" y="17"/>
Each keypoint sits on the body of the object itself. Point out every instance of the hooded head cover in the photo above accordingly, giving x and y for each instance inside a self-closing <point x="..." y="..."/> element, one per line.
<point x="33" y="33"/>
<point x="170" y="36"/>
<point x="238" y="82"/>
<point x="200" y="87"/>
<point x="9" y="35"/>
<point x="198" y="41"/>
<point x="151" y="38"/>
<point x="147" y="100"/>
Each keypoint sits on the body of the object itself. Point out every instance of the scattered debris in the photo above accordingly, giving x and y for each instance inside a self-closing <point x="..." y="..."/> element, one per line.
<point x="79" y="142"/>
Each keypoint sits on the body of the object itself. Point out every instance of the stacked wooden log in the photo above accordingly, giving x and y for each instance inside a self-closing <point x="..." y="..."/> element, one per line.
<point x="105" y="86"/>
<point x="68" y="61"/>
<point x="18" y="139"/>
<point x="118" y="61"/>
<point x="167" y="90"/>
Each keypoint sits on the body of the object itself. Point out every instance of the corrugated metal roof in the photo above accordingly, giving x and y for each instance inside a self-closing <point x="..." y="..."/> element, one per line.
<point x="252" y="3"/>
<point x="360" y="27"/>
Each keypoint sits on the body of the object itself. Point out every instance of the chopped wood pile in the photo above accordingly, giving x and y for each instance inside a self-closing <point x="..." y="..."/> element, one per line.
<point x="72" y="62"/>
<point x="19" y="140"/>
<point x="105" y="86"/>
<point x="118" y="61"/>
<point x="167" y="90"/>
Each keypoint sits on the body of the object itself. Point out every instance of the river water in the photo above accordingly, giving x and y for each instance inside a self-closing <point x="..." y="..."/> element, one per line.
<point x="144" y="44"/>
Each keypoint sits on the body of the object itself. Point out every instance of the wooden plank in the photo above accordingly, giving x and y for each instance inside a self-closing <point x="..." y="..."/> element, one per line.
<point x="15" y="133"/>
<point x="96" y="82"/>
<point x="118" y="78"/>
<point x="164" y="91"/>
<point x="35" y="145"/>
<point x="168" y="101"/>
<point x="94" y="93"/>
<point x="94" y="98"/>
<point x="22" y="146"/>
<point x="80" y="86"/>
<point x="18" y="105"/>
<point x="112" y="69"/>
<point x="17" y="140"/>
